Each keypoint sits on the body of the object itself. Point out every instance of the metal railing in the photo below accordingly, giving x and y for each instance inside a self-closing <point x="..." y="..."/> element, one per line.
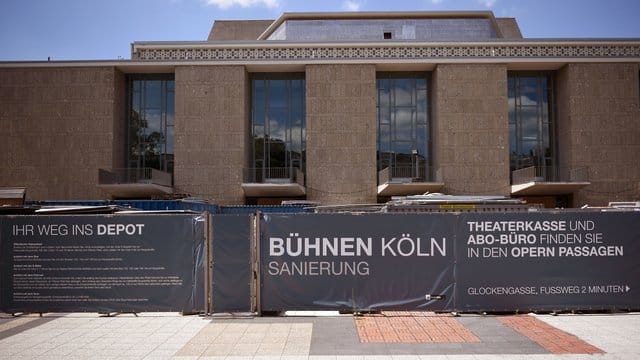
<point x="404" y="174"/>
<point x="549" y="174"/>
<point x="134" y="176"/>
<point x="271" y="175"/>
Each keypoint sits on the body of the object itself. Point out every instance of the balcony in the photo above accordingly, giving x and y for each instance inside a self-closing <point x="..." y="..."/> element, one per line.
<point x="549" y="180"/>
<point x="406" y="180"/>
<point x="273" y="182"/>
<point x="135" y="183"/>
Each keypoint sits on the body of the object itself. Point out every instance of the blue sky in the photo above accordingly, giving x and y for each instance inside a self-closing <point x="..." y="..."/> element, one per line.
<point x="104" y="29"/>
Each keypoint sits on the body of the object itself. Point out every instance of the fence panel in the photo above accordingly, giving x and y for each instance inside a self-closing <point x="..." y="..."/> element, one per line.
<point x="231" y="242"/>
<point x="115" y="263"/>
<point x="548" y="261"/>
<point x="357" y="262"/>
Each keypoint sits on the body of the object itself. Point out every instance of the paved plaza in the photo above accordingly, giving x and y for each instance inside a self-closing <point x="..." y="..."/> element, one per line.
<point x="397" y="335"/>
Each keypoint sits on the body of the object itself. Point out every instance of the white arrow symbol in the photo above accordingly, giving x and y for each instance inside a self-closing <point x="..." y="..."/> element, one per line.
<point x="628" y="288"/>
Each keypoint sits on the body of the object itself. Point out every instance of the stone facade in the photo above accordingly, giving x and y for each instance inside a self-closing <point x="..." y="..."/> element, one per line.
<point x="212" y="126"/>
<point x="470" y="129"/>
<point x="62" y="121"/>
<point x="58" y="127"/>
<point x="599" y="128"/>
<point x="341" y="133"/>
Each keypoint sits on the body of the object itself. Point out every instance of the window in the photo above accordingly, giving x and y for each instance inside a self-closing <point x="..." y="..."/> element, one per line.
<point x="278" y="126"/>
<point x="403" y="125"/>
<point x="531" y="127"/>
<point x="386" y="35"/>
<point x="151" y="122"/>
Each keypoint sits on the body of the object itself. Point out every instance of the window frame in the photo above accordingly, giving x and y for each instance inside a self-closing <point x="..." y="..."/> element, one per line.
<point x="387" y="123"/>
<point x="289" y="161"/>
<point x="166" y="159"/>
<point x="548" y="162"/>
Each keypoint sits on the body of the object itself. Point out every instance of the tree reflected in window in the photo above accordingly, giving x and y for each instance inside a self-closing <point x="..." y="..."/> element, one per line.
<point x="151" y="122"/>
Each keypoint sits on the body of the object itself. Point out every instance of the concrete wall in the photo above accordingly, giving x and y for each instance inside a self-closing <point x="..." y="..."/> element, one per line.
<point x="470" y="128"/>
<point x="119" y="137"/>
<point x="57" y="128"/>
<point x="237" y="29"/>
<point x="212" y="125"/>
<point x="599" y="128"/>
<point x="509" y="28"/>
<point x="341" y="133"/>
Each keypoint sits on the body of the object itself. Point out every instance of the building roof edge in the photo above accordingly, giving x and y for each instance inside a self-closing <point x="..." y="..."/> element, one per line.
<point x="379" y="15"/>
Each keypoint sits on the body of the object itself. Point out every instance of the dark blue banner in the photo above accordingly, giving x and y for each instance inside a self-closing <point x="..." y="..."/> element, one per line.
<point x="357" y="262"/>
<point x="454" y="262"/>
<point x="116" y="263"/>
<point x="548" y="261"/>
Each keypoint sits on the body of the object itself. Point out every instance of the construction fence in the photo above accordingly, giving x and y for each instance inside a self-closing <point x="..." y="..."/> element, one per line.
<point x="211" y="263"/>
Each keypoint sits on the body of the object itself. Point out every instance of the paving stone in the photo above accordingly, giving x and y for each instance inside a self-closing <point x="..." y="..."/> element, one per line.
<point x="552" y="339"/>
<point x="175" y="337"/>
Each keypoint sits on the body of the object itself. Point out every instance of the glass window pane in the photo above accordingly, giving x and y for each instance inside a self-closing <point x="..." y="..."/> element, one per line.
<point x="153" y="94"/>
<point x="296" y="111"/>
<point x="545" y="135"/>
<point x="528" y="91"/>
<point x="421" y="140"/>
<point x="529" y="124"/>
<point x="402" y="151"/>
<point x="277" y="123"/>
<point x="136" y="98"/>
<point x="403" y="124"/>
<point x="421" y="106"/>
<point x="258" y="101"/>
<point x="403" y="94"/>
<point x="529" y="148"/>
<point x="258" y="148"/>
<point x="384" y="138"/>
<point x="513" y="149"/>
<point x="277" y="153"/>
<point x="151" y="118"/>
<point x="383" y="84"/>
<point x="170" y="109"/>
<point x="530" y="139"/>
<point x="279" y="104"/>
<point x="383" y="98"/>
<point x="511" y="84"/>
<point x="258" y="131"/>
<point x="169" y="140"/>
<point x="383" y="115"/>
<point x="277" y="93"/>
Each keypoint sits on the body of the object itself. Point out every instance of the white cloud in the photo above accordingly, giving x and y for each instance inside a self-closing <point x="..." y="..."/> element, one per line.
<point x="350" y="5"/>
<point x="487" y="3"/>
<point x="225" y="4"/>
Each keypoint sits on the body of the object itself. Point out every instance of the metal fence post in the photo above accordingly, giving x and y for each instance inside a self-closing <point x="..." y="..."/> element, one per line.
<point x="256" y="263"/>
<point x="209" y="267"/>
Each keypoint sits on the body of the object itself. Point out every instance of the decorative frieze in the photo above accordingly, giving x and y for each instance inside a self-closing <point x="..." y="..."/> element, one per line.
<point x="295" y="52"/>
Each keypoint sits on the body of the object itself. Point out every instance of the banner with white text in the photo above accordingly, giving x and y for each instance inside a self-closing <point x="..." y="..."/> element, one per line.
<point x="548" y="261"/>
<point x="115" y="263"/>
<point x="357" y="262"/>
